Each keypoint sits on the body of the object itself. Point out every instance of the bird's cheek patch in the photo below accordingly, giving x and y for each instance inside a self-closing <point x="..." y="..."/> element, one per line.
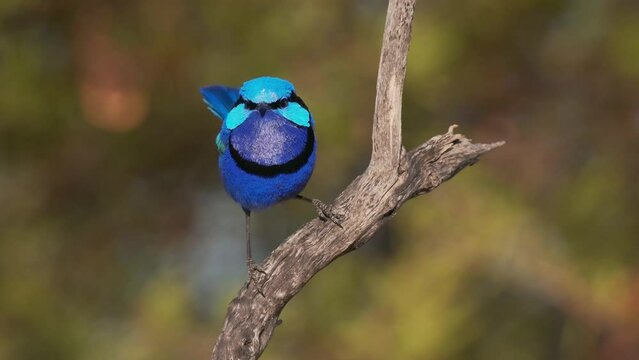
<point x="236" y="117"/>
<point x="295" y="113"/>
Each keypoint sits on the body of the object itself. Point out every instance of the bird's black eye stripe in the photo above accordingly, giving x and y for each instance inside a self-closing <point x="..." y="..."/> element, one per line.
<point x="247" y="104"/>
<point x="279" y="104"/>
<point x="240" y="100"/>
<point x="296" y="99"/>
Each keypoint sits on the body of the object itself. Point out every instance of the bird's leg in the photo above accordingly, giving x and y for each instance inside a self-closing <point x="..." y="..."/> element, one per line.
<point x="253" y="269"/>
<point x="247" y="230"/>
<point x="325" y="212"/>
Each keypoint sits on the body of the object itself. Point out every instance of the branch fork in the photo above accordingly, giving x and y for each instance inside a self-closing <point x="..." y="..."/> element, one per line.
<point x="393" y="177"/>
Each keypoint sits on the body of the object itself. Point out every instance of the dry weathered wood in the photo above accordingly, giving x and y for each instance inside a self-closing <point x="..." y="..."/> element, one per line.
<point x="387" y="120"/>
<point x="392" y="178"/>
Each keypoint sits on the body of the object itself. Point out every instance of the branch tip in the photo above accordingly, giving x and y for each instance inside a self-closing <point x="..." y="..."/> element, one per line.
<point x="495" y="145"/>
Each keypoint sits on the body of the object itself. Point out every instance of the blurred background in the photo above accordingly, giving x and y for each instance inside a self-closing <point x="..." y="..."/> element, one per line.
<point x="117" y="240"/>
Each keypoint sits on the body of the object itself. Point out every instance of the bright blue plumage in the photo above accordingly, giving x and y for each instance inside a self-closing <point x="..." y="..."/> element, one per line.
<point x="266" y="89"/>
<point x="270" y="159"/>
<point x="267" y="145"/>
<point x="220" y="99"/>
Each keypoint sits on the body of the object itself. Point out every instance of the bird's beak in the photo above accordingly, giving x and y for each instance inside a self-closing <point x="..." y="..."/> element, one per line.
<point x="262" y="107"/>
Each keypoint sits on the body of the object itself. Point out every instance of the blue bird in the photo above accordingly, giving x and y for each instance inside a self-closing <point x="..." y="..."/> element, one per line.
<point x="266" y="145"/>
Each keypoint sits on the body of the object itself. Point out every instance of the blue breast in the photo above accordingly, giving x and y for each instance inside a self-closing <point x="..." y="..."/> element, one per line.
<point x="270" y="144"/>
<point x="268" y="159"/>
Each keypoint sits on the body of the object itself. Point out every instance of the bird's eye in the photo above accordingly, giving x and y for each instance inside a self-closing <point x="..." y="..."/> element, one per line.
<point x="279" y="104"/>
<point x="250" y="105"/>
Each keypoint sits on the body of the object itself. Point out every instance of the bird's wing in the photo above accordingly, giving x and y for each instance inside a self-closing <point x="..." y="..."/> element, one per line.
<point x="220" y="99"/>
<point x="221" y="139"/>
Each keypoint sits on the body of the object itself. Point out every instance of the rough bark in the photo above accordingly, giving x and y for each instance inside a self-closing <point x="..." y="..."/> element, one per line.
<point x="392" y="177"/>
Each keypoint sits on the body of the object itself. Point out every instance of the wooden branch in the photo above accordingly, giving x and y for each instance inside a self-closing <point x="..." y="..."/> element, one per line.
<point x="392" y="178"/>
<point x="387" y="123"/>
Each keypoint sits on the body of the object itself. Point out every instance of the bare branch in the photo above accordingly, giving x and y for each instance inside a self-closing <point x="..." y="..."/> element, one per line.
<point x="387" y="125"/>
<point x="392" y="178"/>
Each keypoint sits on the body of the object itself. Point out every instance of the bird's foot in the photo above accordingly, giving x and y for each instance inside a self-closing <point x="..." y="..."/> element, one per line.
<point x="257" y="275"/>
<point x="326" y="212"/>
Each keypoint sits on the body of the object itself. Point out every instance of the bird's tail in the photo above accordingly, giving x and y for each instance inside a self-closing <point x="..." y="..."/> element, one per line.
<point x="220" y="99"/>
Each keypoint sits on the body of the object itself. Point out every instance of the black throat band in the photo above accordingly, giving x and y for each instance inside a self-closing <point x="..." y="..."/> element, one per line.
<point x="288" y="167"/>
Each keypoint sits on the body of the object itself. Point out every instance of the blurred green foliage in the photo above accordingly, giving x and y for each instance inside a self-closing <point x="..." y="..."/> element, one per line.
<point x="117" y="241"/>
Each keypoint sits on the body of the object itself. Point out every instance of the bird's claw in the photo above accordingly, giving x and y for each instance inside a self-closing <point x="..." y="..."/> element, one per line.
<point x="326" y="212"/>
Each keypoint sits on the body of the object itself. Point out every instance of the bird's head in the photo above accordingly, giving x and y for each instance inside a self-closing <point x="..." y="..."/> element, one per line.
<point x="266" y="90"/>
<point x="269" y="93"/>
<point x="267" y="97"/>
